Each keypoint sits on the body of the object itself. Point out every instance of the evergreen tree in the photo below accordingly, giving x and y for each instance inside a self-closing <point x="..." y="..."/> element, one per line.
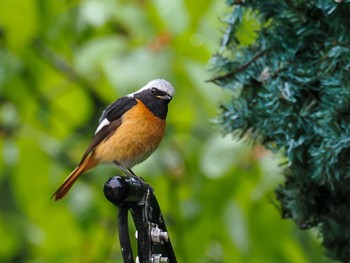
<point x="291" y="93"/>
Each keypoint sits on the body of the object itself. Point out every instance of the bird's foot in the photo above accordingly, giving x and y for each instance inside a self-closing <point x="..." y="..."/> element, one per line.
<point x="126" y="171"/>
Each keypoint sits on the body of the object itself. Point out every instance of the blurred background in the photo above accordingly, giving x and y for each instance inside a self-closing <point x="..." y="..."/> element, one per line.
<point x="61" y="63"/>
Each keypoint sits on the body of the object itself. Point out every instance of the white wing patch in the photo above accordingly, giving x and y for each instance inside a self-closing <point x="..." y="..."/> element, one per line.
<point x="103" y="123"/>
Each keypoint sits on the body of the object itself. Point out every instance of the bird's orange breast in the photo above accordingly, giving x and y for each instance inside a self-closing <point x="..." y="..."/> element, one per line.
<point x="134" y="140"/>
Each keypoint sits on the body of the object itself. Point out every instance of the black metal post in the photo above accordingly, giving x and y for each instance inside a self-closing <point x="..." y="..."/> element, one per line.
<point x="132" y="193"/>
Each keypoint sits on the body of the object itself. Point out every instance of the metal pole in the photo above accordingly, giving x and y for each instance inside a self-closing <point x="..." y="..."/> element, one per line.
<point x="153" y="242"/>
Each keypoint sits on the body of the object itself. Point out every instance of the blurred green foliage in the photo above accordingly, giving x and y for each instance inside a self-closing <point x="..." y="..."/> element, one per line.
<point x="61" y="63"/>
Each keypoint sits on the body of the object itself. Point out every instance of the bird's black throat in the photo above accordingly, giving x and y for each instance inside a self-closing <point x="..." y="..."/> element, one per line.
<point x="158" y="106"/>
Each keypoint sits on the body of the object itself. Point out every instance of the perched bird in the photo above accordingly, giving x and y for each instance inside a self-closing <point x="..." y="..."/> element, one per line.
<point x="130" y="130"/>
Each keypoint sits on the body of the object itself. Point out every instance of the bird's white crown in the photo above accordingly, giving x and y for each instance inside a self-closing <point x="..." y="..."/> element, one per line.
<point x="160" y="84"/>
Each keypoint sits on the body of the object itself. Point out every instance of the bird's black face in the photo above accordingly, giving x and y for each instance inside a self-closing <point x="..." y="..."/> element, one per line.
<point x="159" y="94"/>
<point x="155" y="100"/>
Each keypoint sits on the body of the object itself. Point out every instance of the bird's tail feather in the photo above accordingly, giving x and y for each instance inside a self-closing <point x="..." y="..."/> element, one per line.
<point x="88" y="163"/>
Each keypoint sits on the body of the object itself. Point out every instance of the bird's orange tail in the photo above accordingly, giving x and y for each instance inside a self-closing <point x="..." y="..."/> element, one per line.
<point x="88" y="163"/>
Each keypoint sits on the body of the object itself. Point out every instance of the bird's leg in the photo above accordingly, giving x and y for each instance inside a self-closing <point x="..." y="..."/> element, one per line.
<point x="127" y="171"/>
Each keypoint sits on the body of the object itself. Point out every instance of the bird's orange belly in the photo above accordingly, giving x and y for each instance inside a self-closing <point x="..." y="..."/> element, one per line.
<point x="135" y="139"/>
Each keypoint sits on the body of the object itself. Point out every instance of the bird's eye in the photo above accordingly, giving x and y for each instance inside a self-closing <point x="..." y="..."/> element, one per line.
<point x="153" y="91"/>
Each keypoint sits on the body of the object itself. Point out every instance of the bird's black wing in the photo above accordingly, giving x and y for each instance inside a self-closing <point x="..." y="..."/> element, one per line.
<point x="115" y="110"/>
<point x="113" y="114"/>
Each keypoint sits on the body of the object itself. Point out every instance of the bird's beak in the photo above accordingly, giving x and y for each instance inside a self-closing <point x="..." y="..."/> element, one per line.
<point x="165" y="97"/>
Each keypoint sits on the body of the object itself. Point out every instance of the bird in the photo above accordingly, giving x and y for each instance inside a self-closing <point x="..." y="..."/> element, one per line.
<point x="129" y="131"/>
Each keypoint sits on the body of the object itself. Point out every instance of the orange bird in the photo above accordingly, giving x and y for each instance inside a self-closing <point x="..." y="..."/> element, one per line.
<point x="130" y="130"/>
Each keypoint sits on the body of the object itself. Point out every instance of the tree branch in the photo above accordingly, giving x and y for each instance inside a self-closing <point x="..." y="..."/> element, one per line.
<point x="238" y="69"/>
